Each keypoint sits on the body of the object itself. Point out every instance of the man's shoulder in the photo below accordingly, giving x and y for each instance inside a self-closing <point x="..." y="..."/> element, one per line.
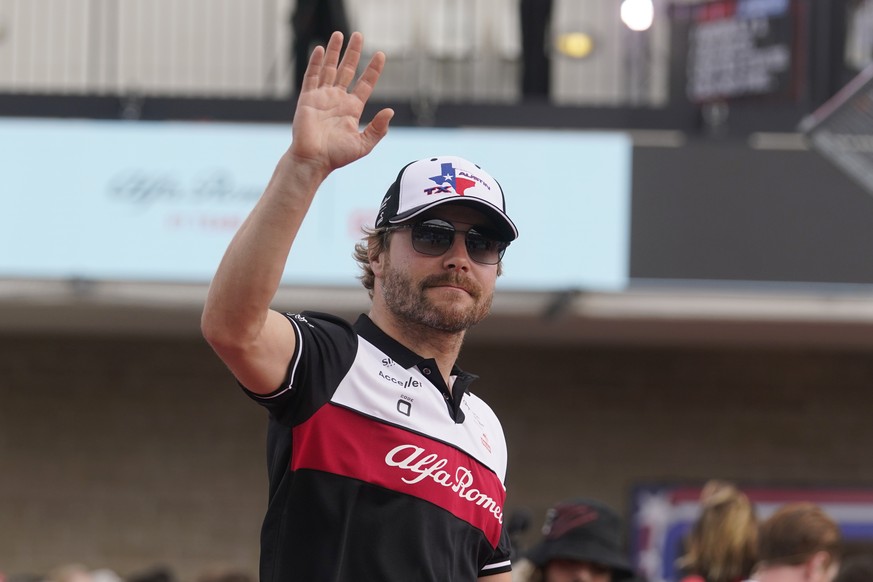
<point x="315" y="328"/>
<point x="313" y="318"/>
<point x="318" y="323"/>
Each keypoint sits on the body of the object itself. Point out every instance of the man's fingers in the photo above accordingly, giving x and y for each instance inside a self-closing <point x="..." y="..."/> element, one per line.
<point x="313" y="69"/>
<point x="377" y="128"/>
<point x="326" y="69"/>
<point x="349" y="65"/>
<point x="365" y="85"/>
<point x="331" y="58"/>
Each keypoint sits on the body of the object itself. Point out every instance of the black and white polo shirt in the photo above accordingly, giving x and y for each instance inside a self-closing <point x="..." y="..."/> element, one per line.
<point x="377" y="471"/>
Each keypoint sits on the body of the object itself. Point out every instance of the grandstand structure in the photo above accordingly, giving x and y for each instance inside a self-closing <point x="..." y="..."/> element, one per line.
<point x="445" y="49"/>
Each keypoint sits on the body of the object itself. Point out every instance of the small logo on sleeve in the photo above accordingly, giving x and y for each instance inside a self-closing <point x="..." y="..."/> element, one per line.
<point x="300" y="319"/>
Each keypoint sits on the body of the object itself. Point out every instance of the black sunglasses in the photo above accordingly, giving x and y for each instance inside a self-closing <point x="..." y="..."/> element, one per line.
<point x="434" y="237"/>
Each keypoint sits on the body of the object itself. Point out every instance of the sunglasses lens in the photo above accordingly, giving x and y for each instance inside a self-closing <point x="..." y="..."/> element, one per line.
<point x="484" y="249"/>
<point x="432" y="239"/>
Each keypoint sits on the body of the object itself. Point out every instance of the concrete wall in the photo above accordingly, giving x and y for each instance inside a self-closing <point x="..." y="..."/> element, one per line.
<point x="129" y="453"/>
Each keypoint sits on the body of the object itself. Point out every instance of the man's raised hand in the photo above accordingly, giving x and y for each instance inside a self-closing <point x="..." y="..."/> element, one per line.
<point x="326" y="123"/>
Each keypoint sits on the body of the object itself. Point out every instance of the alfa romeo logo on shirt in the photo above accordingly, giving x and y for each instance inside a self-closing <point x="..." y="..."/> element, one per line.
<point x="423" y="465"/>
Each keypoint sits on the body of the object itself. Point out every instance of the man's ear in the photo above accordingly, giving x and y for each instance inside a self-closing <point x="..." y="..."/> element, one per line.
<point x="377" y="263"/>
<point x="817" y="566"/>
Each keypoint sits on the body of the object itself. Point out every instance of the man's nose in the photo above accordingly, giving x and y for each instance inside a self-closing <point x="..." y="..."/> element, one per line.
<point x="583" y="573"/>
<point x="457" y="257"/>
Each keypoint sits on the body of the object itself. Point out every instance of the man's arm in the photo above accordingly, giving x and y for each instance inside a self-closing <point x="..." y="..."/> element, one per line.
<point x="503" y="577"/>
<point x="255" y="342"/>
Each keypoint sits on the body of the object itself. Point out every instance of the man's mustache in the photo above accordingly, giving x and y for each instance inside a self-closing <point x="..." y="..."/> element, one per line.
<point x="453" y="279"/>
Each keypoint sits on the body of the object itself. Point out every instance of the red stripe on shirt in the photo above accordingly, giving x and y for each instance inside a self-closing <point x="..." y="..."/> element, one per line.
<point x="342" y="442"/>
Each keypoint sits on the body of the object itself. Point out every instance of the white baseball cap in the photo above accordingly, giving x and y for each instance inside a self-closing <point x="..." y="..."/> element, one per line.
<point x="429" y="182"/>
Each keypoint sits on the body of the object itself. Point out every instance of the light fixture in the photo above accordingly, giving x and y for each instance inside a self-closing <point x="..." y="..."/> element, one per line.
<point x="638" y="14"/>
<point x="577" y="45"/>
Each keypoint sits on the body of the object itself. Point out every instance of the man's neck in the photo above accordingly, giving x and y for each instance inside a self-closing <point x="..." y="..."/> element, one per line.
<point x="441" y="346"/>
<point x="780" y="574"/>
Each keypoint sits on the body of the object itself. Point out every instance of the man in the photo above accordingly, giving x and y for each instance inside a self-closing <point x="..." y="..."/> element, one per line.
<point x="798" y="543"/>
<point x="581" y="543"/>
<point x="313" y="21"/>
<point x="383" y="466"/>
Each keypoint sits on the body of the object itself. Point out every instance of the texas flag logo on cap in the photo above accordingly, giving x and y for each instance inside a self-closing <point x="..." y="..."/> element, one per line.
<point x="449" y="176"/>
<point x="429" y="182"/>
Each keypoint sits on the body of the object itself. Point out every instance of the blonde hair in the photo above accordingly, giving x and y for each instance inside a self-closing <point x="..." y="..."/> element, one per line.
<point x="722" y="545"/>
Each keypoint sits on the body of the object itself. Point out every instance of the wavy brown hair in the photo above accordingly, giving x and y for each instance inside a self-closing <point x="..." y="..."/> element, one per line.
<point x="797" y="531"/>
<point x="374" y="243"/>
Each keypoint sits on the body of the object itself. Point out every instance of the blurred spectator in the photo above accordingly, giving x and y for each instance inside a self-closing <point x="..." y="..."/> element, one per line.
<point x="581" y="543"/>
<point x="72" y="572"/>
<point x="105" y="575"/>
<point x="224" y="574"/>
<point x="517" y="523"/>
<point x="798" y="543"/>
<point x="722" y="545"/>
<point x="536" y="16"/>
<point x="75" y="572"/>
<point x="312" y="22"/>
<point x="153" y="574"/>
<point x="856" y="568"/>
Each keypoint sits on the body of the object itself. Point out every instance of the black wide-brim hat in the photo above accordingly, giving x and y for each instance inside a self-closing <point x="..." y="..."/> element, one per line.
<point x="584" y="530"/>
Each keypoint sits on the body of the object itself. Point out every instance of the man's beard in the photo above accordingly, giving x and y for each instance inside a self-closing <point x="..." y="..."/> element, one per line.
<point x="408" y="301"/>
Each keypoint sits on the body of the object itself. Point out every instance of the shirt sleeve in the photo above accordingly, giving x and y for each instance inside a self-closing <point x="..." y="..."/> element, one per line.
<point x="324" y="351"/>
<point x="500" y="560"/>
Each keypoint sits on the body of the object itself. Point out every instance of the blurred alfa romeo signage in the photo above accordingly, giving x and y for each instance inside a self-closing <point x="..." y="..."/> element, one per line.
<point x="726" y="49"/>
<point x="160" y="201"/>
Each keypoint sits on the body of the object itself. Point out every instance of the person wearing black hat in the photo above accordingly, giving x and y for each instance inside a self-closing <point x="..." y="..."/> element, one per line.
<point x="581" y="543"/>
<point x="382" y="464"/>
